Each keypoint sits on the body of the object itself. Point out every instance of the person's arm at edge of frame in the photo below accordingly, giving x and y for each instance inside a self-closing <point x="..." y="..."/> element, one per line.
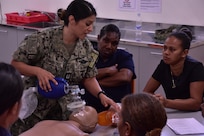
<point x="92" y="85"/>
<point x="123" y="76"/>
<point x="42" y="75"/>
<point x="191" y="104"/>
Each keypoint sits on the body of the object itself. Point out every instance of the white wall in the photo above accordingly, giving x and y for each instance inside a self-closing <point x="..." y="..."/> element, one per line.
<point x="173" y="11"/>
<point x="189" y="12"/>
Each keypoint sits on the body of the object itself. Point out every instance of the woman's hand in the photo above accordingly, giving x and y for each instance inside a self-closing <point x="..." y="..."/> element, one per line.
<point x="44" y="77"/>
<point x="162" y="99"/>
<point x="106" y="101"/>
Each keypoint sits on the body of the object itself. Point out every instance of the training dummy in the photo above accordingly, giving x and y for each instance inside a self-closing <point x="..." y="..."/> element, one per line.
<point x="80" y="123"/>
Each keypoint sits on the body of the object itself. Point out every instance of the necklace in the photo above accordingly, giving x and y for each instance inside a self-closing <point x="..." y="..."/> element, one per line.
<point x="173" y="82"/>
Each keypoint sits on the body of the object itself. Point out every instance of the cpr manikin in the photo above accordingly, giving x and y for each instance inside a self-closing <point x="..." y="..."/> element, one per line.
<point x="80" y="123"/>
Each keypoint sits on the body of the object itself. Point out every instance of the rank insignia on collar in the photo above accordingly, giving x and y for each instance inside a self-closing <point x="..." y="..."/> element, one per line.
<point x="94" y="56"/>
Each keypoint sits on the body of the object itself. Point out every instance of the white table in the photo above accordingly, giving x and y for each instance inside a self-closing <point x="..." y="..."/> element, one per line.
<point x="104" y="131"/>
<point x="181" y="114"/>
<point x="171" y="113"/>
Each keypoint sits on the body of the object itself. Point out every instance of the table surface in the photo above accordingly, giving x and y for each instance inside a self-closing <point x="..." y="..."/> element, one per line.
<point x="171" y="113"/>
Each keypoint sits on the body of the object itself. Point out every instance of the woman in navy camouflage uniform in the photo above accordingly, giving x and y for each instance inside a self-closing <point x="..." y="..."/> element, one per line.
<point x="59" y="52"/>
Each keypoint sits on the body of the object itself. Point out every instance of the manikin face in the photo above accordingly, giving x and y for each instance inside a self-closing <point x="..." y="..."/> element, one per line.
<point x="81" y="28"/>
<point x="108" y="44"/>
<point x="87" y="117"/>
<point x="173" y="51"/>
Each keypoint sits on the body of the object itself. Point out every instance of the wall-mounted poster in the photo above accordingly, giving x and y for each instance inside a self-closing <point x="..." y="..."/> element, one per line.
<point x="150" y="6"/>
<point x="153" y="6"/>
<point x="127" y="5"/>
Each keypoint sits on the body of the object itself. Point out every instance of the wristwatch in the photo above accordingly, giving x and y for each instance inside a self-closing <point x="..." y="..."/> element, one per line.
<point x="101" y="92"/>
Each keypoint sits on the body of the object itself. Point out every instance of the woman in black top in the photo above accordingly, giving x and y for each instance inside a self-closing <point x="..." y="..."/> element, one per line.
<point x="181" y="76"/>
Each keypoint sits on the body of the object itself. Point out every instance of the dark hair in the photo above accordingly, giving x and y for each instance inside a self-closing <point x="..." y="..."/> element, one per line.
<point x="145" y="114"/>
<point x="80" y="9"/>
<point x="185" y="36"/>
<point x="109" y="28"/>
<point x="11" y="86"/>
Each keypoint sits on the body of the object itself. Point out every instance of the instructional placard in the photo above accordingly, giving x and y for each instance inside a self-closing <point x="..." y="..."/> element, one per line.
<point x="128" y="5"/>
<point x="150" y="6"/>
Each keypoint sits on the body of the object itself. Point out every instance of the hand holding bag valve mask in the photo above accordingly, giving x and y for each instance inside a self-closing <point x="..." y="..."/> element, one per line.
<point x="61" y="90"/>
<point x="57" y="90"/>
<point x="30" y="101"/>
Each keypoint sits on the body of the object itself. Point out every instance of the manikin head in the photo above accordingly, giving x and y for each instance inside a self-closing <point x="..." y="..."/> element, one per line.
<point x="87" y="117"/>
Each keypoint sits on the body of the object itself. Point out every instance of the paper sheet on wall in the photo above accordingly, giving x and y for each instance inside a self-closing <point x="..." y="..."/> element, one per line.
<point x="152" y="6"/>
<point x="129" y="5"/>
<point x="183" y="126"/>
